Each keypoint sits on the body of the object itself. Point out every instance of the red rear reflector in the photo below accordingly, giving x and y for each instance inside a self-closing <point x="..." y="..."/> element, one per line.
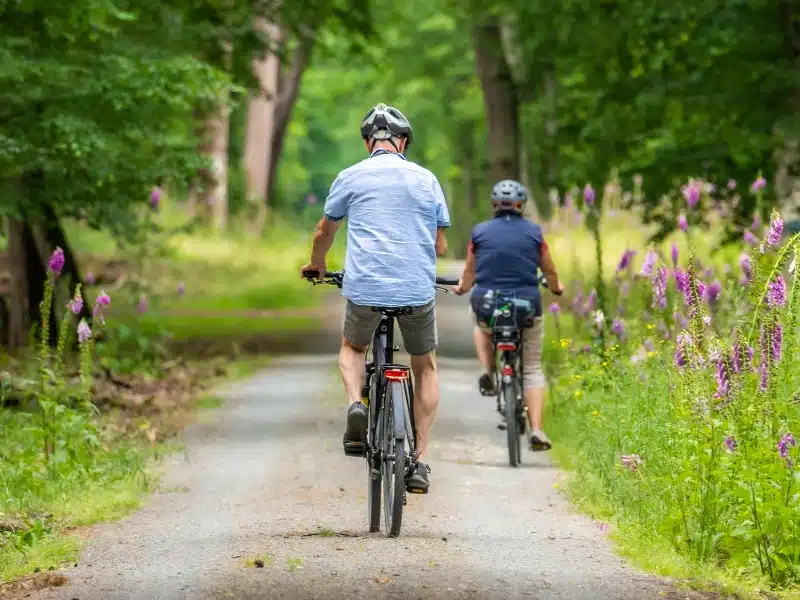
<point x="396" y="374"/>
<point x="506" y="346"/>
<point x="507" y="370"/>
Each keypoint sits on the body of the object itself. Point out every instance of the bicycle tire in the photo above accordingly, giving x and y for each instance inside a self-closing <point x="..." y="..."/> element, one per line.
<point x="512" y="424"/>
<point x="394" y="459"/>
<point x="373" y="478"/>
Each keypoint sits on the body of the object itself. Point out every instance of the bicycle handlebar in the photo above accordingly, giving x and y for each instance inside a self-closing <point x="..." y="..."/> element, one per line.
<point x="337" y="277"/>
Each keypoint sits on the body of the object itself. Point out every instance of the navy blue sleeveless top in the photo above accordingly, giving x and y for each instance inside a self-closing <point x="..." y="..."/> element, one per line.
<point x="507" y="257"/>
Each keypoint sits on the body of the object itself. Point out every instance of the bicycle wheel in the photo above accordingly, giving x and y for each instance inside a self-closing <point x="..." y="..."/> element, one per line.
<point x="512" y="423"/>
<point x="394" y="458"/>
<point x="374" y="468"/>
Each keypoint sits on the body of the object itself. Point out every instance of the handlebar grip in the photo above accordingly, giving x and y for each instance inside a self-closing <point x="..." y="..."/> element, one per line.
<point x="446" y="281"/>
<point x="311" y="274"/>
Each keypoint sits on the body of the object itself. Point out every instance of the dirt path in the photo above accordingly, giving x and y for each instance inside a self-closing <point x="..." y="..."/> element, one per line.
<point x="266" y="478"/>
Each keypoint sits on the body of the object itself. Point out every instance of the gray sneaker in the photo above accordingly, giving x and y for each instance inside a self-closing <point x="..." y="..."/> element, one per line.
<point x="540" y="441"/>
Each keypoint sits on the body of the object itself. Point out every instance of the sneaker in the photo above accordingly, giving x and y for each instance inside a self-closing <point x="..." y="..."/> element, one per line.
<point x="417" y="478"/>
<point x="355" y="436"/>
<point x="540" y="441"/>
<point x="486" y="385"/>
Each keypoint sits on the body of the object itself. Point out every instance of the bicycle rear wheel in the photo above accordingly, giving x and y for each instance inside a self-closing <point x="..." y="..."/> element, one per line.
<point x="512" y="423"/>
<point x="394" y="458"/>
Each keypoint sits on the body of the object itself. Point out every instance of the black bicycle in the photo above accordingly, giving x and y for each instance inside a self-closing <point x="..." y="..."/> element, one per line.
<point x="391" y="435"/>
<point x="507" y="315"/>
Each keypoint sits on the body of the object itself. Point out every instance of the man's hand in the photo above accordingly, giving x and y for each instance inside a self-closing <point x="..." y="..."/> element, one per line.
<point x="560" y="289"/>
<point x="320" y="268"/>
<point x="459" y="289"/>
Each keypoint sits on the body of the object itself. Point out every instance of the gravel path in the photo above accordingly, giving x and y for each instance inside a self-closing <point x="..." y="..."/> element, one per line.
<point x="266" y="478"/>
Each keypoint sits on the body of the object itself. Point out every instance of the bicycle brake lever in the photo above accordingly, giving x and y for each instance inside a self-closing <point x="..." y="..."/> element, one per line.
<point x="443" y="289"/>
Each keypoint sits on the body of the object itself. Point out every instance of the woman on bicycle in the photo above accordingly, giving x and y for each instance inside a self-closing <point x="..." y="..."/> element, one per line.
<point x="504" y="257"/>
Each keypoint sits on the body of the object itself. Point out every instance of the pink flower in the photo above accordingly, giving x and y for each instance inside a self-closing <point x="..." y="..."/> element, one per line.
<point x="76" y="304"/>
<point x="683" y="223"/>
<point x="56" y="263"/>
<point x="84" y="333"/>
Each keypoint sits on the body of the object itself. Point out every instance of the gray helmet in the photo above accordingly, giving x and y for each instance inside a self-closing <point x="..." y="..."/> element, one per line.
<point x="384" y="122"/>
<point x="509" y="195"/>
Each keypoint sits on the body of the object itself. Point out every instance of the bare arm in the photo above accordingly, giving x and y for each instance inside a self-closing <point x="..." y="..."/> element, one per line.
<point x="549" y="269"/>
<point x="441" y="242"/>
<point x="323" y="240"/>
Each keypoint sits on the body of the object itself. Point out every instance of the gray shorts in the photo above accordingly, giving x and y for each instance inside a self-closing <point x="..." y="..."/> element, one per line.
<point x="418" y="329"/>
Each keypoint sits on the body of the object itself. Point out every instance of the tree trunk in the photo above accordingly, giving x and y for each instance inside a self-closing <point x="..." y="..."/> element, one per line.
<point x="217" y="197"/>
<point x="500" y="100"/>
<point x="18" y="301"/>
<point x="260" y="126"/>
<point x="787" y="178"/>
<point x="289" y="88"/>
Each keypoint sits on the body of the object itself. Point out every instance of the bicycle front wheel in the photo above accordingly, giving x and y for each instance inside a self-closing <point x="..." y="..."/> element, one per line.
<point x="394" y="458"/>
<point x="512" y="423"/>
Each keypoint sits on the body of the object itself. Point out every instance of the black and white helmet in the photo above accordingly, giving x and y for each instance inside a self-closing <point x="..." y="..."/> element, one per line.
<point x="384" y="122"/>
<point x="509" y="195"/>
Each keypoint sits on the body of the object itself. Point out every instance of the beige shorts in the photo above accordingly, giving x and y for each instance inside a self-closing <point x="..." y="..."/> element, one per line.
<point x="532" y="344"/>
<point x="418" y="329"/>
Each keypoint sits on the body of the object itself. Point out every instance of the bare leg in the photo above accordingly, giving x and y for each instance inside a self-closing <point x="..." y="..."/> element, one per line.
<point x="483" y="346"/>
<point x="351" y="366"/>
<point x="534" y="400"/>
<point x="426" y="398"/>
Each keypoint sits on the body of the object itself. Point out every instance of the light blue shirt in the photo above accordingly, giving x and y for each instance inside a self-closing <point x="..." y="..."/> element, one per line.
<point x="393" y="208"/>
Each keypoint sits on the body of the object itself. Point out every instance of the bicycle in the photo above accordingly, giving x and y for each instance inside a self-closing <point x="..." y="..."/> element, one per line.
<point x="507" y="351"/>
<point x="391" y="432"/>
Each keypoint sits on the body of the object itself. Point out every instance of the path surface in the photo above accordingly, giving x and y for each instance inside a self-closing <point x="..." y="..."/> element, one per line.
<point x="265" y="477"/>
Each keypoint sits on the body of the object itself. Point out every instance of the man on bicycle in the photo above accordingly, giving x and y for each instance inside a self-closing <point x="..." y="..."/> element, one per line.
<point x="503" y="257"/>
<point x="396" y="215"/>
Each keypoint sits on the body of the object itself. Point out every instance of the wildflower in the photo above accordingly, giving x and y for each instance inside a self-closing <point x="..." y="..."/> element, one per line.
<point x="577" y="302"/>
<point x="746" y="265"/>
<point x="776" y="339"/>
<point x="141" y="307"/>
<point x="648" y="345"/>
<point x="776" y="292"/>
<point x="707" y="320"/>
<point x="660" y="288"/>
<point x="76" y="304"/>
<point x="692" y="194"/>
<point x="758" y="185"/>
<point x="631" y="461"/>
<point x="625" y="260"/>
<point x="84" y="333"/>
<point x="182" y="289"/>
<point x="763" y="373"/>
<point x="786" y="442"/>
<point x="731" y="184"/>
<point x="680" y="352"/>
<point x="713" y="291"/>
<point x="736" y="358"/>
<point x="756" y="224"/>
<point x="99" y="302"/>
<point x="749" y="238"/>
<point x="90" y="278"/>
<point x="730" y="444"/>
<point x="618" y="328"/>
<point x="599" y="318"/>
<point x="155" y="197"/>
<point x="56" y="263"/>
<point x="603" y="527"/>
<point x="683" y="223"/>
<point x="587" y="348"/>
<point x="723" y="382"/>
<point x="775" y="230"/>
<point x="674" y="253"/>
<point x="589" y="195"/>
<point x="682" y="281"/>
<point x="591" y="300"/>
<point x="649" y="264"/>
<point x="751" y="353"/>
<point x="102" y="299"/>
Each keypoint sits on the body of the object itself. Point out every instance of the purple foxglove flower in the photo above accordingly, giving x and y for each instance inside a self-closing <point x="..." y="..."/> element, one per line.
<point x="591" y="300"/>
<point x="776" y="339"/>
<point x="756" y="224"/>
<point x="746" y="265"/>
<point x="763" y="372"/>
<point x="618" y="328"/>
<point x="589" y="195"/>
<point x="625" y="260"/>
<point x="731" y="184"/>
<point x="713" y="291"/>
<point x="723" y="382"/>
<point x="786" y="442"/>
<point x="141" y="307"/>
<point x="577" y="302"/>
<point x="730" y="444"/>
<point x="736" y="359"/>
<point x="776" y="292"/>
<point x="660" y="288"/>
<point x="683" y="223"/>
<point x="631" y="461"/>
<point x="155" y="197"/>
<point x="681" y="281"/>
<point x="674" y="252"/>
<point x="751" y="353"/>
<point x="76" y="304"/>
<point x="707" y="320"/>
<point x="649" y="263"/>
<point x="775" y="230"/>
<point x="56" y="263"/>
<point x="692" y="194"/>
<point x="749" y="238"/>
<point x="84" y="333"/>
<point x="758" y="185"/>
<point x="555" y="308"/>
<point x="102" y="299"/>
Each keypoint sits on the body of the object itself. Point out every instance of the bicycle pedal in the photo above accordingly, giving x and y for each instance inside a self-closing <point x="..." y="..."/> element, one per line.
<point x="355" y="449"/>
<point x="502" y="426"/>
<point x="415" y="490"/>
